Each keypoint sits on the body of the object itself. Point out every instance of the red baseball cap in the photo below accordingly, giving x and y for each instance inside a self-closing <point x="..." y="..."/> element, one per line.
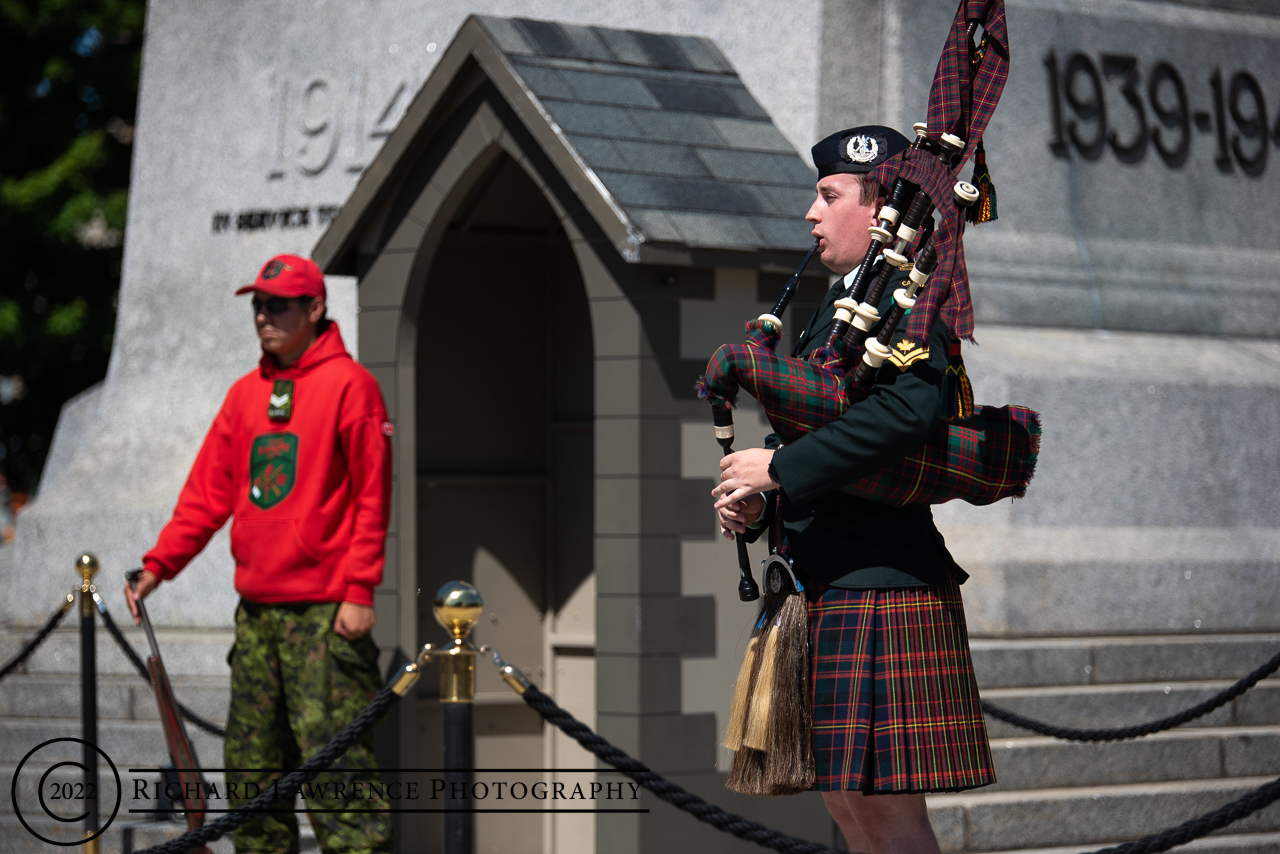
<point x="288" y="276"/>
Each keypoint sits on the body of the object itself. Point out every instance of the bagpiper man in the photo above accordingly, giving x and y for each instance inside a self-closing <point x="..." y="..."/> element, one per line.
<point x="300" y="456"/>
<point x="896" y="712"/>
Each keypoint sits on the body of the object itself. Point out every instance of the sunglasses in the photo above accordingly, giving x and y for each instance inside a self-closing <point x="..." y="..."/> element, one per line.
<point x="272" y="305"/>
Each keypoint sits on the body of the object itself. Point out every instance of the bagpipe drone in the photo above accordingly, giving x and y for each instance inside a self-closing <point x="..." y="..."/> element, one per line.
<point x="976" y="454"/>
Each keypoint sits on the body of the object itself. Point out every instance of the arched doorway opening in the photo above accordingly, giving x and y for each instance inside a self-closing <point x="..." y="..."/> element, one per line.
<point x="505" y="455"/>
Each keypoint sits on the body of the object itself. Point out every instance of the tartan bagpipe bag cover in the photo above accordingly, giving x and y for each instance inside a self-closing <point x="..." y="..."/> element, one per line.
<point x="980" y="459"/>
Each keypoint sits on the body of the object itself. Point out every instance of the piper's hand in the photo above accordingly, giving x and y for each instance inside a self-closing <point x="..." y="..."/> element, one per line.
<point x="735" y="517"/>
<point x="133" y="595"/>
<point x="743" y="473"/>
<point x="354" y="621"/>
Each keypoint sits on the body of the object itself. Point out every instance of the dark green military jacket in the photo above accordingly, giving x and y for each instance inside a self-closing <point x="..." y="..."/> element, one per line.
<point x="844" y="541"/>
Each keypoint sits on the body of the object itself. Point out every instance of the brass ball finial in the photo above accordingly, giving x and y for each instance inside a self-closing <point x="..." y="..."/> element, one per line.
<point x="87" y="565"/>
<point x="457" y="607"/>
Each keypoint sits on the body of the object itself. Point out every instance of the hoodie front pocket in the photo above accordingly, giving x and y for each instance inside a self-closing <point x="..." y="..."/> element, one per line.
<point x="271" y="548"/>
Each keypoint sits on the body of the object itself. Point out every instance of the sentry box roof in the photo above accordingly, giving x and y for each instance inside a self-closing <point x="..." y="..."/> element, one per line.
<point x="656" y="135"/>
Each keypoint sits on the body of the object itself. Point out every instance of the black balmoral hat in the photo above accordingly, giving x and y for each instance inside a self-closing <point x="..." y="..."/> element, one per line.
<point x="857" y="150"/>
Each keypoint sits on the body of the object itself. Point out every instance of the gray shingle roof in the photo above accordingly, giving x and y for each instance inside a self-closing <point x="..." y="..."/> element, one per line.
<point x="669" y="129"/>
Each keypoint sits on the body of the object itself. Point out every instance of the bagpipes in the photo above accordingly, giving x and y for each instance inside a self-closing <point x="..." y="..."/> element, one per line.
<point x="979" y="455"/>
<point x="186" y="767"/>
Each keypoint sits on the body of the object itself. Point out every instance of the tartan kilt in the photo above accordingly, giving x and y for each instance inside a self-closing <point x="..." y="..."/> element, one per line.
<point x="895" y="702"/>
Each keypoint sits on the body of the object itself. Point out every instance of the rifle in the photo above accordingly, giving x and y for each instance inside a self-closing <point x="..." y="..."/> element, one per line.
<point x="181" y="751"/>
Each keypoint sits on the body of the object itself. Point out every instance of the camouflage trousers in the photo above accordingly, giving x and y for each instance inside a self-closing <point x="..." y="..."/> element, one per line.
<point x="294" y="686"/>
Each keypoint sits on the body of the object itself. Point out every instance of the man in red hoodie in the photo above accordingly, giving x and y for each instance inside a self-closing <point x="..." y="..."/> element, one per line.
<point x="299" y="456"/>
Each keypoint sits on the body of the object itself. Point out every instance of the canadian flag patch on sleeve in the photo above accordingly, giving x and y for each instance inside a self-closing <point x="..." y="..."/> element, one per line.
<point x="388" y="429"/>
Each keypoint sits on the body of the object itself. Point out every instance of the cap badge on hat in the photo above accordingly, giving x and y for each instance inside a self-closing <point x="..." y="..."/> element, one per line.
<point x="857" y="150"/>
<point x="861" y="148"/>
<point x="288" y="276"/>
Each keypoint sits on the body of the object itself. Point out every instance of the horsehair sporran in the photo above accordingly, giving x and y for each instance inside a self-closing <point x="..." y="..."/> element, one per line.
<point x="770" y="723"/>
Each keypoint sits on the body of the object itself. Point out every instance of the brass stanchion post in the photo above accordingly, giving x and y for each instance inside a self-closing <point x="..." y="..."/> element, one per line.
<point x="87" y="567"/>
<point x="457" y="607"/>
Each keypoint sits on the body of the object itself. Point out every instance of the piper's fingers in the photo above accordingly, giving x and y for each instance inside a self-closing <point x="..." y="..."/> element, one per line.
<point x="725" y="486"/>
<point x="729" y="527"/>
<point x="737" y="494"/>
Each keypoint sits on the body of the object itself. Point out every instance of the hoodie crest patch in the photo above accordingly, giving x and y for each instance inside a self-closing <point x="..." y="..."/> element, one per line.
<point x="273" y="468"/>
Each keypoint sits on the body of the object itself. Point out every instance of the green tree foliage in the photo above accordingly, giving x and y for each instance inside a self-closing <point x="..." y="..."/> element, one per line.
<point x="68" y="91"/>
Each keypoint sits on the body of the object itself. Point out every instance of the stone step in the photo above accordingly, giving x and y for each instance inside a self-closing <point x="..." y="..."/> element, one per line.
<point x="1107" y="706"/>
<point x="1238" y="843"/>
<point x="185" y="653"/>
<point x="129" y="744"/>
<point x="20" y="840"/>
<point x="998" y="821"/>
<point x="145" y="834"/>
<point x="1092" y="575"/>
<point x="119" y="697"/>
<point x="1001" y="663"/>
<point x="1181" y="754"/>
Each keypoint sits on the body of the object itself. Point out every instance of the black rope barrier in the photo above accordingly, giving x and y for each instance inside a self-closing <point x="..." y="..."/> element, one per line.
<point x="1137" y="730"/>
<point x="1202" y="826"/>
<point x="672" y="793"/>
<point x="761" y="835"/>
<point x="136" y="660"/>
<point x="665" y="789"/>
<point x="305" y="772"/>
<point x="49" y="626"/>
